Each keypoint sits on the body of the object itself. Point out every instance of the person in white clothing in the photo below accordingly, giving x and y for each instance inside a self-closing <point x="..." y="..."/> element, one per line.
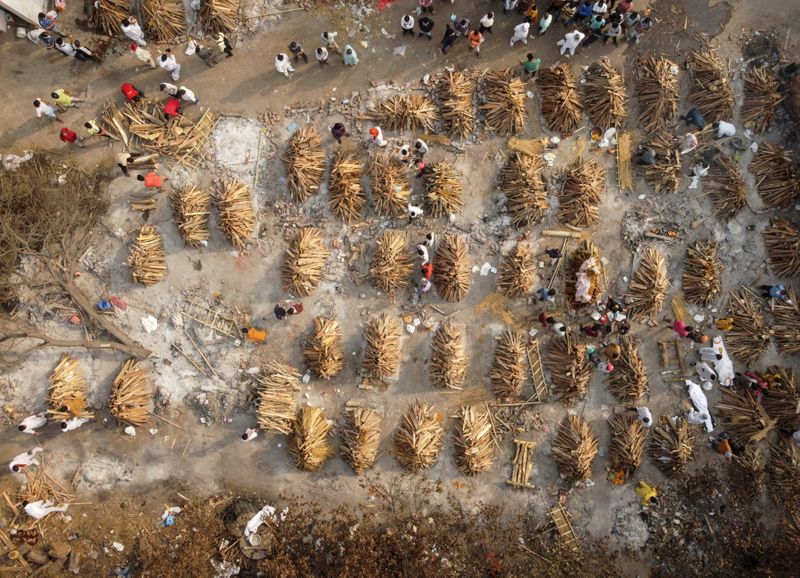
<point x="700" y="403"/>
<point x="131" y="29"/>
<point x="142" y="54"/>
<point x="377" y="136"/>
<point x="44" y="109"/>
<point x="24" y="460"/>
<point x="73" y="423"/>
<point x="600" y="7"/>
<point x="407" y="24"/>
<point x="696" y="417"/>
<point x="321" y="54"/>
<point x="255" y="522"/>
<point x="570" y="42"/>
<point x="700" y="169"/>
<point x="283" y="65"/>
<point x="723" y="129"/>
<point x="520" y="33"/>
<point x="249" y="434"/>
<point x="33" y="422"/>
<point x="169" y="89"/>
<point x="187" y="95"/>
<point x="487" y="21"/>
<point x="704" y="371"/>
<point x="64" y="47"/>
<point x="168" y="63"/>
<point x="414" y="212"/>
<point x="404" y="154"/>
<point x="430" y="239"/>
<point x="40" y="508"/>
<point x="420" y="148"/>
<point x="645" y="415"/>
<point x="422" y="253"/>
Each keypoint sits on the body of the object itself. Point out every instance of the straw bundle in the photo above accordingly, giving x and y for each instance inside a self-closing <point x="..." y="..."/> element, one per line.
<point x="474" y="441"/>
<point x="581" y="193"/>
<point x="305" y="163"/>
<point x="419" y="437"/>
<point x="518" y="271"/>
<point x="406" y="112"/>
<point x="726" y="187"/>
<point x="776" y="177"/>
<point x="658" y="94"/>
<point x="390" y="267"/>
<point x="749" y="339"/>
<point x="361" y="438"/>
<point x="786" y="328"/>
<point x="389" y="184"/>
<point x="453" y="274"/>
<point x="744" y="417"/>
<point x="455" y="91"/>
<point x="783" y="402"/>
<point x="219" y="15"/>
<point x="504" y="95"/>
<point x="310" y="443"/>
<point x="574" y="449"/>
<point x="784" y="469"/>
<point x="448" y="365"/>
<point x="443" y="189"/>
<point x="604" y="95"/>
<point x="382" y="347"/>
<point x="710" y="89"/>
<point x="521" y="182"/>
<point x="68" y="391"/>
<point x="561" y="103"/>
<point x="146" y="259"/>
<point x="164" y="20"/>
<point x="701" y="273"/>
<point x="672" y="445"/>
<point x="347" y="197"/>
<point x="782" y="242"/>
<point x="509" y="369"/>
<point x="628" y="381"/>
<point x="570" y="370"/>
<point x="304" y="264"/>
<point x="665" y="174"/>
<point x="324" y="353"/>
<point x="628" y="438"/>
<point x="276" y="406"/>
<point x="761" y="99"/>
<point x="649" y="286"/>
<point x="191" y="207"/>
<point x="131" y="394"/>
<point x="236" y="216"/>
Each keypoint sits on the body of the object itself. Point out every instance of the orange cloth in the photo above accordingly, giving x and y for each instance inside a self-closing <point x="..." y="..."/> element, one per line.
<point x="475" y="38"/>
<point x="256" y="335"/>
<point x="153" y="181"/>
<point x="724" y="447"/>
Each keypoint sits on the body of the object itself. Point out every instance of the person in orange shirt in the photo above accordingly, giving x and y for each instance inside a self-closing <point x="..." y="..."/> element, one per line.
<point x="152" y="180"/>
<point x="255" y="335"/>
<point x="475" y="40"/>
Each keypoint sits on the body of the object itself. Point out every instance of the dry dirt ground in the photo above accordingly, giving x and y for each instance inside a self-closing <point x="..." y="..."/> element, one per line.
<point x="199" y="445"/>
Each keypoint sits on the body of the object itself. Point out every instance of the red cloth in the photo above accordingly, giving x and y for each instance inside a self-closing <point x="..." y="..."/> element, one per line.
<point x="129" y="91"/>
<point x="680" y="328"/>
<point x="427" y="271"/>
<point x="69" y="136"/>
<point x="173" y="107"/>
<point x="298" y="308"/>
<point x="153" y="181"/>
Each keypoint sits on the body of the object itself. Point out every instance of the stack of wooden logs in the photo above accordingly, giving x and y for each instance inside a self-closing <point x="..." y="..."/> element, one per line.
<point x="628" y="381"/>
<point x="586" y="251"/>
<point x="750" y="462"/>
<point x="406" y="112"/>
<point x="649" y="285"/>
<point x="658" y="94"/>
<point x="236" y="216"/>
<point x="107" y="16"/>
<point x="789" y="526"/>
<point x="455" y="91"/>
<point x="191" y="207"/>
<point x="518" y="271"/>
<point x="346" y="196"/>
<point x="474" y="440"/>
<point x="604" y="95"/>
<point x="419" y="437"/>
<point x="147" y="260"/>
<point x="726" y="187"/>
<point x="665" y="174"/>
<point x="510" y="367"/>
<point x="628" y="439"/>
<point x="277" y="407"/>
<point x="522" y="465"/>
<point x="710" y="91"/>
<point x="749" y="338"/>
<point x="324" y="353"/>
<point x="782" y="242"/>
<point x="443" y="189"/>
<point x="453" y="274"/>
<point x="504" y="101"/>
<point x="164" y="20"/>
<point x="131" y="398"/>
<point x="744" y="418"/>
<point x="310" y="443"/>
<point x="361" y="438"/>
<point x="390" y="267"/>
<point x="786" y="326"/>
<point x="67" y="392"/>
<point x="389" y="185"/>
<point x="219" y="15"/>
<point x="570" y="370"/>
<point x="574" y="449"/>
<point x="672" y="445"/>
<point x="783" y="402"/>
<point x="702" y="273"/>
<point x="305" y="163"/>
<point x="776" y="177"/>
<point x="761" y="99"/>
<point x="561" y="103"/>
<point x="448" y="365"/>
<point x="304" y="265"/>
<point x="381" y="348"/>
<point x="521" y="182"/>
<point x="581" y="193"/>
<point x="784" y="469"/>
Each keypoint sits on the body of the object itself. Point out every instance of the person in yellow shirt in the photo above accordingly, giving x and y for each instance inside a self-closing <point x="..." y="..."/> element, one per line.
<point x="647" y="493"/>
<point x="63" y="99"/>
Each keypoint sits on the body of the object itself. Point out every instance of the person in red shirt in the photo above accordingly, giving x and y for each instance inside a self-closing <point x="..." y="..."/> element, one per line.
<point x="427" y="270"/>
<point x="152" y="180"/>
<point x="71" y="137"/>
<point x="132" y="94"/>
<point x="173" y="107"/>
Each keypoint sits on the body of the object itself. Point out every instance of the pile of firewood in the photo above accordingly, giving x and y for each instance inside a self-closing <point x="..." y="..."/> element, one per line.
<point x="749" y="338"/>
<point x="782" y="242"/>
<point x="665" y="175"/>
<point x="521" y="182"/>
<point x="789" y="526"/>
<point x="628" y="438"/>
<point x="305" y="260"/>
<point x="419" y="437"/>
<point x="518" y="271"/>
<point x="574" y="449"/>
<point x="726" y="187"/>
<point x="455" y="91"/>
<point x="750" y="462"/>
<point x="510" y="367"/>
<point x="448" y="365"/>
<point x="561" y="103"/>
<point x="277" y="407"/>
<point x="784" y="469"/>
<point x="744" y="418"/>
<point x="710" y="91"/>
<point x="406" y="112"/>
<point x="586" y="251"/>
<point x="522" y="465"/>
<point x="164" y="20"/>
<point x="324" y="353"/>
<point x="701" y="273"/>
<point x="504" y="101"/>
<point x="107" y="16"/>
<point x="361" y="438"/>
<point x="658" y="94"/>
<point x="474" y="440"/>
<point x="345" y="193"/>
<point x="581" y="193"/>
<point x="381" y="347"/>
<point x="783" y="402"/>
<point x="191" y="207"/>
<point x="672" y="445"/>
<point x="628" y="381"/>
<point x="761" y="99"/>
<point x="147" y="260"/>
<point x="131" y="398"/>
<point x="389" y="185"/>
<point x="776" y="177"/>
<point x="786" y="326"/>
<point x="236" y="216"/>
<point x="219" y="15"/>
<point x="443" y="189"/>
<point x="68" y="391"/>
<point x="604" y="95"/>
<point x="570" y="370"/>
<point x="452" y="275"/>
<point x="649" y="286"/>
<point x="311" y="444"/>
<point x="391" y="265"/>
<point x="305" y="163"/>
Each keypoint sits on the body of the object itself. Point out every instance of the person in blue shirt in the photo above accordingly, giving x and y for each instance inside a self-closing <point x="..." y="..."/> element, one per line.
<point x="584" y="11"/>
<point x="47" y="23"/>
<point x="773" y="292"/>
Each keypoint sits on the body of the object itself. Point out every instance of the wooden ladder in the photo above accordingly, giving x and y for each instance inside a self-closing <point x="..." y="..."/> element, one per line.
<point x="211" y="318"/>
<point x="540" y="388"/>
<point x="561" y="520"/>
<point x="522" y="465"/>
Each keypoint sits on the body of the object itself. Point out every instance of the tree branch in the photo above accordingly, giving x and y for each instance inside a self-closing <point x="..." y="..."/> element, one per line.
<point x="47" y="341"/>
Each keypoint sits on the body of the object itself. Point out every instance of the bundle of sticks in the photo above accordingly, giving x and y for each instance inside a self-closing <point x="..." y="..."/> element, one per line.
<point x="789" y="526"/>
<point x="574" y="449"/>
<point x="628" y="438"/>
<point x="510" y="367"/>
<point x="561" y="103"/>
<point x="710" y="91"/>
<point x="389" y="186"/>
<point x="107" y="16"/>
<point x="649" y="286"/>
<point x="786" y="326"/>
<point x="581" y="193"/>
<point x="406" y="112"/>
<point x="749" y="338"/>
<point x="453" y="274"/>
<point x="783" y="402"/>
<point x="236" y="216"/>
<point x="761" y="99"/>
<point x="672" y="445"/>
<point x="147" y="260"/>
<point x="726" y="187"/>
<point x="782" y="242"/>
<point x="518" y="271"/>
<point x="164" y="20"/>
<point x="277" y="407"/>
<point x="665" y="174"/>
<point x="310" y="443"/>
<point x="305" y="163"/>
<point x="604" y="95"/>
<point x="504" y="95"/>
<point x="219" y="15"/>
<point x="776" y="177"/>
<point x="419" y="437"/>
<point x="701" y="273"/>
<point x="347" y="198"/>
<point x="324" y="353"/>
<point x="570" y="370"/>
<point x="474" y="440"/>
<point x="745" y="419"/>
<point x="628" y="381"/>
<point x="191" y="207"/>
<point x="67" y="392"/>
<point x="750" y="462"/>
<point x="521" y="182"/>
<point x="131" y="398"/>
<point x="305" y="260"/>
<point x="443" y="189"/>
<point x="361" y="438"/>
<point x="381" y="347"/>
<point x="658" y="94"/>
<point x="448" y="365"/>
<point x="784" y="469"/>
<point x="455" y="91"/>
<point x="113" y="122"/>
<point x="390" y="267"/>
<point x="522" y="464"/>
<point x="595" y="272"/>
